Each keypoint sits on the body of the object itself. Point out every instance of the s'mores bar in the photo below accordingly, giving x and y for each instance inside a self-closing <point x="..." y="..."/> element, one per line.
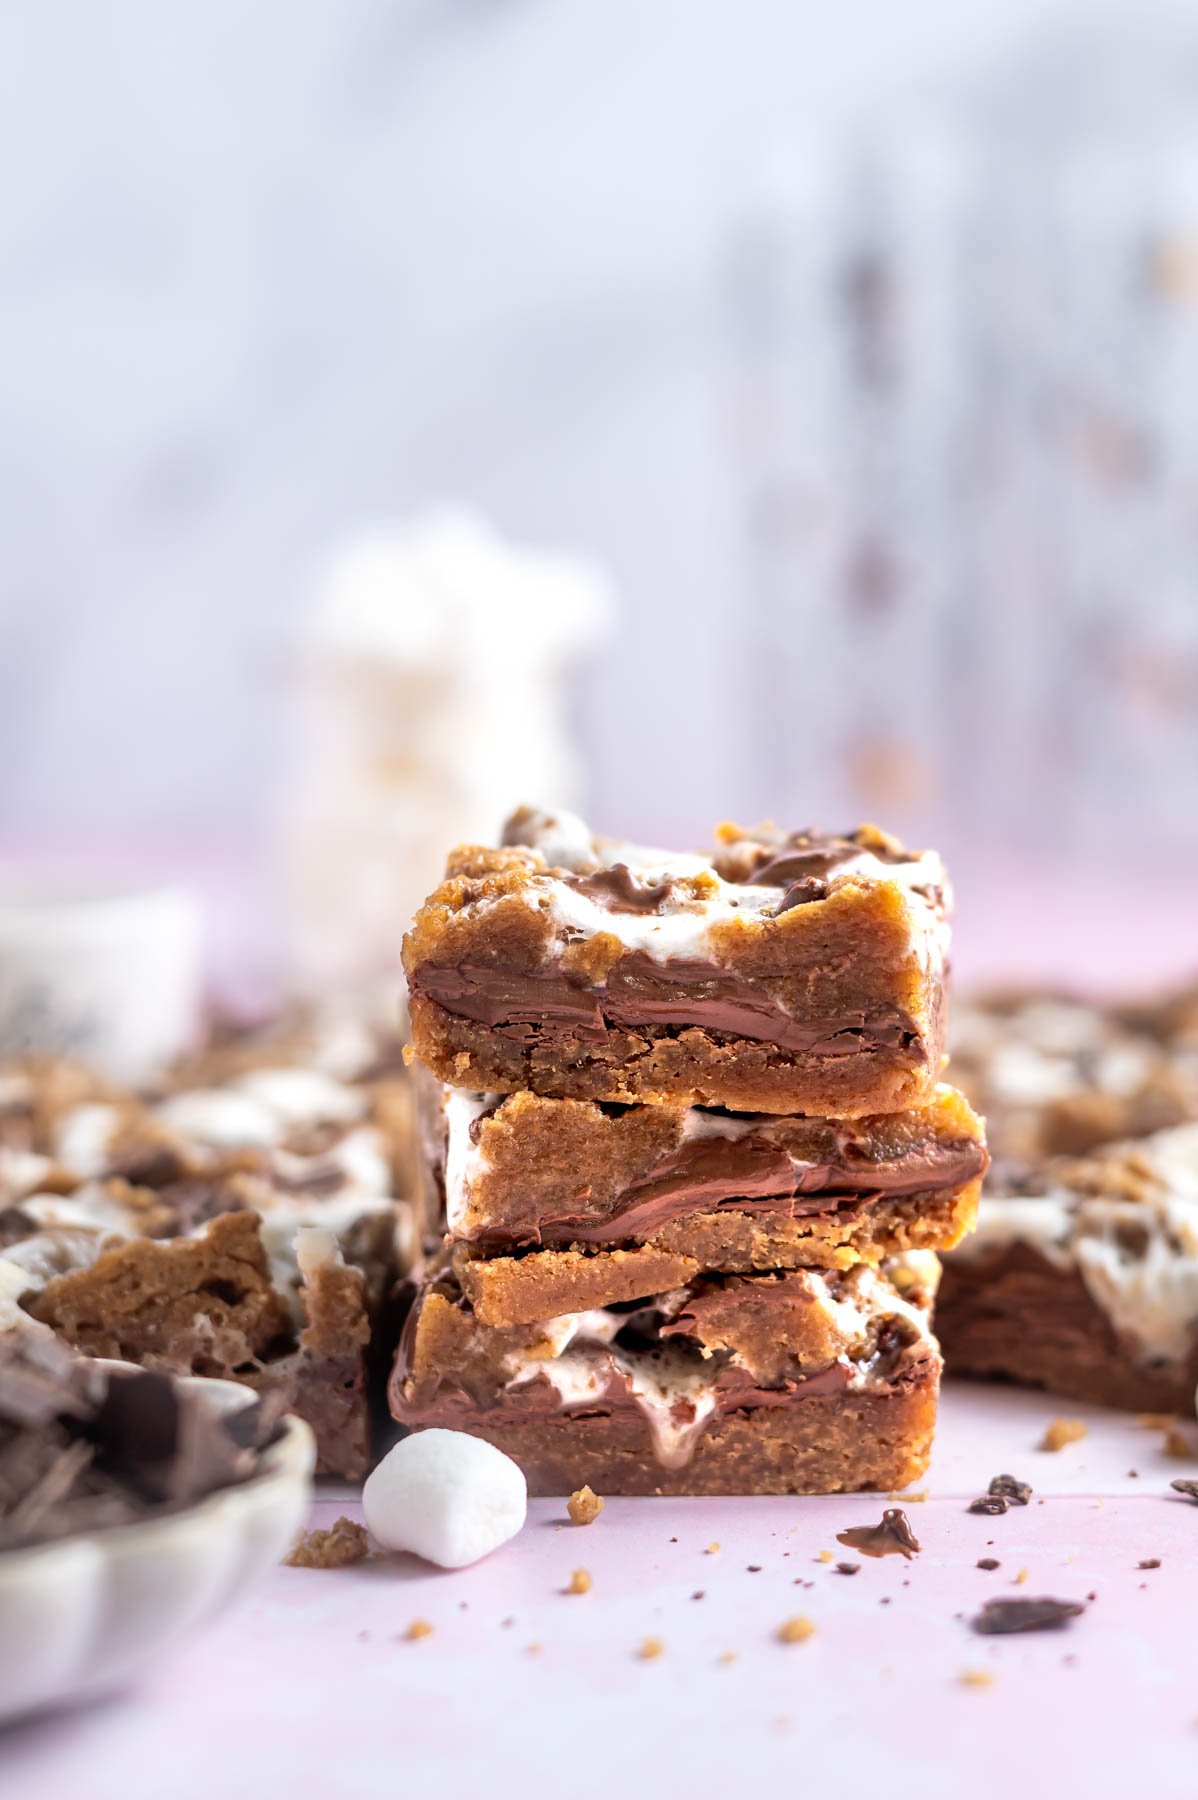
<point x="1083" y="1278"/>
<point x="803" y="1381"/>
<point x="562" y="1205"/>
<point x="254" y="1228"/>
<point x="1056" y="1075"/>
<point x="781" y="973"/>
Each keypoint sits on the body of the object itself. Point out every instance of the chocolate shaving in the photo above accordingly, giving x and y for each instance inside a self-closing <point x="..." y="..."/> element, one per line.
<point x="1010" y="1489"/>
<point x="892" y="1536"/>
<point x="83" y="1447"/>
<point x="999" y="1618"/>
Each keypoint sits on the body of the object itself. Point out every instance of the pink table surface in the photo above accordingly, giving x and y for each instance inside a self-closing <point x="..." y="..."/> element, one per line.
<point x="310" y="1689"/>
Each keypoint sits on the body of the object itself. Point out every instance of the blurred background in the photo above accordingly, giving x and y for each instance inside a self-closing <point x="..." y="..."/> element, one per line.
<point x="680" y="410"/>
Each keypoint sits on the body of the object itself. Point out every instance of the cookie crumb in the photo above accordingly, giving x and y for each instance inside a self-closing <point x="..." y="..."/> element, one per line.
<point x="1061" y="1432"/>
<point x="976" y="1678"/>
<point x="342" y="1544"/>
<point x="532" y="1650"/>
<point x="1021" y="1577"/>
<point x="419" y="1628"/>
<point x="650" y="1648"/>
<point x="726" y="1656"/>
<point x="580" y="1582"/>
<point x="1156" y="1421"/>
<point x="796" y="1630"/>
<point x="584" y="1506"/>
<point x="824" y="1556"/>
<point x="711" y="1549"/>
<point x="1177" y="1444"/>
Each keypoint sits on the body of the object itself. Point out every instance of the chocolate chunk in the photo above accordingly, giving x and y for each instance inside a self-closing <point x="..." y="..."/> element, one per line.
<point x="1187" y="1487"/>
<point x="994" y="1504"/>
<point x="1010" y="1489"/>
<point x="999" y="1618"/>
<point x="987" y="1562"/>
<point x="1149" y="1562"/>
<point x="892" y="1536"/>
<point x="617" y="890"/>
<point x="847" y="1568"/>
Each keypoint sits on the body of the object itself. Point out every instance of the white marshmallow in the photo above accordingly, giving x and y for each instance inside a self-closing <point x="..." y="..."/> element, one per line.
<point x="448" y="1497"/>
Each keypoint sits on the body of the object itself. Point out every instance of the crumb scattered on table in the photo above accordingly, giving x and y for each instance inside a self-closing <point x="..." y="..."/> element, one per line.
<point x="727" y="1656"/>
<point x="1149" y="1562"/>
<point x="650" y="1648"/>
<point x="1177" y="1444"/>
<point x="796" y="1630"/>
<point x="891" y="1536"/>
<point x="976" y="1678"/>
<point x="584" y="1506"/>
<point x="580" y="1582"/>
<point x="711" y="1549"/>
<point x="824" y="1556"/>
<point x="343" y="1543"/>
<point x="419" y="1628"/>
<point x="1061" y="1432"/>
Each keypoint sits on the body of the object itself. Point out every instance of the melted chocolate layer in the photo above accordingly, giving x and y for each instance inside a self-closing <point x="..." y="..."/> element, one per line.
<point x="751" y="1174"/>
<point x="532" y="1006"/>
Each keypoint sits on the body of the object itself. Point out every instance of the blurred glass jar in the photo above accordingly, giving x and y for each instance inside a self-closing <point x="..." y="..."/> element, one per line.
<point x="431" y="700"/>
<point x="967" y="361"/>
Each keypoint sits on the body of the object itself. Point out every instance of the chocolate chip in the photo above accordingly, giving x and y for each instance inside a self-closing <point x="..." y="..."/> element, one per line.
<point x="1000" y="1617"/>
<point x="891" y="1536"/>
<point x="1010" y="1489"/>
<point x="994" y="1504"/>
<point x="988" y="1562"/>
<point x="1149" y="1562"/>
<point x="847" y="1568"/>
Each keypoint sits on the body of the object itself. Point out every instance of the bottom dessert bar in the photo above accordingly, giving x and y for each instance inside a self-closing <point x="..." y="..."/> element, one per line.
<point x="1085" y="1282"/>
<point x="808" y="1381"/>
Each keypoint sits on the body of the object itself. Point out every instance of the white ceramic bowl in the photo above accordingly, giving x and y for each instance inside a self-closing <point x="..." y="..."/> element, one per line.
<point x="85" y="1615"/>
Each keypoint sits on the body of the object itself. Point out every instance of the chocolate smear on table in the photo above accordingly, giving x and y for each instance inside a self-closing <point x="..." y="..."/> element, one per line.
<point x="1187" y="1487"/>
<point x="892" y="1536"/>
<point x="1010" y="1489"/>
<point x="999" y="1618"/>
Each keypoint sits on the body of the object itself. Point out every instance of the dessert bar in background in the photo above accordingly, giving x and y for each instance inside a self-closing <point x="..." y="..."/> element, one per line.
<point x="690" y="1154"/>
<point x="798" y="973"/>
<point x="1084" y="1278"/>
<point x="248" y="1218"/>
<point x="1083" y="1274"/>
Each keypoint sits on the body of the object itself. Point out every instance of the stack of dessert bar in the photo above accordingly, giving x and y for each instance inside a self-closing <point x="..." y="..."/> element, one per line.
<point x="1083" y="1274"/>
<point x="692" y="1158"/>
<point x="240" y="1219"/>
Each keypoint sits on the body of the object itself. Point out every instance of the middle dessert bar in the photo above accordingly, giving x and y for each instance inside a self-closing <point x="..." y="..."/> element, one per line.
<point x="560" y="1205"/>
<point x="806" y="1381"/>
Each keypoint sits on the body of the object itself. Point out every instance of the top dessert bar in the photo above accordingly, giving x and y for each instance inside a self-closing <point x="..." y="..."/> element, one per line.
<point x="783" y="973"/>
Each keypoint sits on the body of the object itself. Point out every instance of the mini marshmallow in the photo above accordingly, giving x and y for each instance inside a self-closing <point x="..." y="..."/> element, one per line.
<point x="448" y="1497"/>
